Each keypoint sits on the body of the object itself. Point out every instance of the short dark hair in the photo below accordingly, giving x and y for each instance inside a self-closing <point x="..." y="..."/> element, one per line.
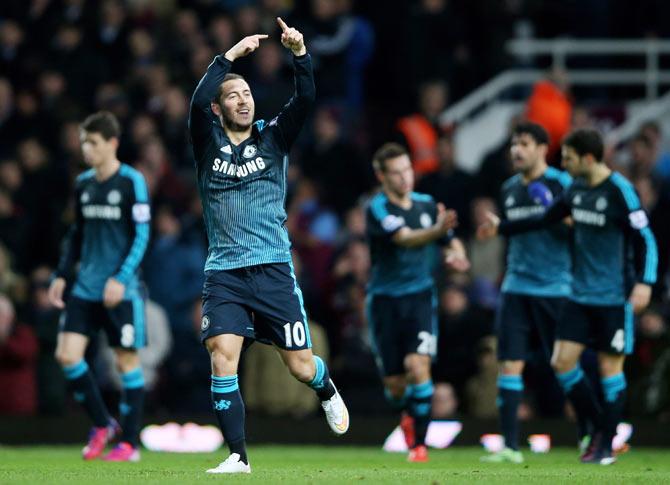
<point x="644" y="140"/>
<point x="102" y="122"/>
<point x="228" y="77"/>
<point x="586" y="141"/>
<point x="534" y="130"/>
<point x="652" y="125"/>
<point x="386" y="152"/>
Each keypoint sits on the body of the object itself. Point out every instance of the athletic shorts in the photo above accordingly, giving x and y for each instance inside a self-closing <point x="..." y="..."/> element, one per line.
<point x="401" y="325"/>
<point x="605" y="328"/>
<point x="262" y="302"/>
<point x="124" y="324"/>
<point x="525" y="323"/>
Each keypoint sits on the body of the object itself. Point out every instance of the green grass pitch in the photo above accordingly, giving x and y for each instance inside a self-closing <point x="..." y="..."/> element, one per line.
<point x="319" y="465"/>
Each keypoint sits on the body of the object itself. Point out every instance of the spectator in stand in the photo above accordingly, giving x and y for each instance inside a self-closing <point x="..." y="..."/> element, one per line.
<point x="334" y="163"/>
<point x="341" y="44"/>
<point x="271" y="86"/>
<point x="652" y="129"/>
<point x="462" y="325"/>
<point x="43" y="317"/>
<point x="487" y="257"/>
<point x="450" y="185"/>
<point x="313" y="227"/>
<point x="437" y="45"/>
<point x="643" y="158"/>
<point x="12" y="49"/>
<point x="550" y="105"/>
<point x="419" y="132"/>
<point x="111" y="36"/>
<point x="649" y="370"/>
<point x="18" y="356"/>
<point x="173" y="269"/>
<point x="12" y="284"/>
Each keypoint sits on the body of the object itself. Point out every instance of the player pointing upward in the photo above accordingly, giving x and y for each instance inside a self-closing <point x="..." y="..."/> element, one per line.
<point x="250" y="288"/>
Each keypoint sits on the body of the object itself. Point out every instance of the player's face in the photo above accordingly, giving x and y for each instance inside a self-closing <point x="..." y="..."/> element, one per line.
<point x="572" y="162"/>
<point x="398" y="176"/>
<point x="237" y="105"/>
<point x="96" y="149"/>
<point x="526" y="152"/>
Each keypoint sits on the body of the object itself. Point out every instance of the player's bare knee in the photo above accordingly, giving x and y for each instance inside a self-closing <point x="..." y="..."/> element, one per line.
<point x="127" y="360"/>
<point x="65" y="358"/>
<point x="302" y="367"/>
<point x="610" y="365"/>
<point x="418" y="368"/>
<point x="395" y="387"/>
<point x="511" y="367"/>
<point x="223" y="363"/>
<point x="562" y="364"/>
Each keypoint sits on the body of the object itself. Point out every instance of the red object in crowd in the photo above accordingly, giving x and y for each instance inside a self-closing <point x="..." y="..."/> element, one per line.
<point x="18" y="358"/>
<point x="421" y="137"/>
<point x="550" y="107"/>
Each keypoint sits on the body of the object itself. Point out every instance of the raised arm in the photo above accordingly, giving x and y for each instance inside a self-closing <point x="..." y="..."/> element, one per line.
<point x="446" y="220"/>
<point x="293" y="115"/>
<point x="555" y="213"/>
<point x="201" y="115"/>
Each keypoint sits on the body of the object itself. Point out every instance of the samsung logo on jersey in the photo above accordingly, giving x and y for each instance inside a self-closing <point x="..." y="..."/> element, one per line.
<point x="240" y="171"/>
<point x="588" y="217"/>
<point x="524" y="212"/>
<point x="108" y="212"/>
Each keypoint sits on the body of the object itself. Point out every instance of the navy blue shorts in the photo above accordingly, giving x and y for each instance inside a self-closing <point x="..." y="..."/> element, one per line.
<point x="401" y="325"/>
<point x="604" y="328"/>
<point x="263" y="303"/>
<point x="124" y="324"/>
<point x="525" y="323"/>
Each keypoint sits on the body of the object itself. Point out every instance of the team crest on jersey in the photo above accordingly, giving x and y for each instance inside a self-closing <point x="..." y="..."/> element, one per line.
<point x="113" y="197"/>
<point x="577" y="199"/>
<point x="85" y="197"/>
<point x="227" y="150"/>
<point x="509" y="201"/>
<point x="205" y="323"/>
<point x="390" y="223"/>
<point x="249" y="151"/>
<point x="601" y="204"/>
<point x="425" y="220"/>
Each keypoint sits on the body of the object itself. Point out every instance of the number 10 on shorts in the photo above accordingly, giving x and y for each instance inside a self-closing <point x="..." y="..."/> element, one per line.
<point x="295" y="336"/>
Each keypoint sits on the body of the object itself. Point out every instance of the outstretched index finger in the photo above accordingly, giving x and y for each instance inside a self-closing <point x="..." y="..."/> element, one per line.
<point x="282" y="24"/>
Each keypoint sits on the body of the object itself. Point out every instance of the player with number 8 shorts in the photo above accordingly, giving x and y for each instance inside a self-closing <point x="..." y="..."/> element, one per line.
<point x="108" y="239"/>
<point x="404" y="230"/>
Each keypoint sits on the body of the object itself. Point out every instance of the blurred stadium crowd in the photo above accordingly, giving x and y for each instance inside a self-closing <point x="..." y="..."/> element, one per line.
<point x="381" y="73"/>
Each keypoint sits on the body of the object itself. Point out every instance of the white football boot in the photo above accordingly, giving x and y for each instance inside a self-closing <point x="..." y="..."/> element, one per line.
<point x="232" y="464"/>
<point x="336" y="413"/>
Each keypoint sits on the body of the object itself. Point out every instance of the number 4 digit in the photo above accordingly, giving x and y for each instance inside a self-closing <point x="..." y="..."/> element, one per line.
<point x="617" y="342"/>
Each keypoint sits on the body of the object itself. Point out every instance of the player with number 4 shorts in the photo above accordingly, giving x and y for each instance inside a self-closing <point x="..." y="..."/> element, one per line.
<point x="404" y="230"/>
<point x="614" y="268"/>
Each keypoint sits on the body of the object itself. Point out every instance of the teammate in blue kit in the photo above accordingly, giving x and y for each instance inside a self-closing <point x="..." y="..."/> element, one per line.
<point x="615" y="265"/>
<point x="108" y="239"/>
<point x="250" y="289"/>
<point x="537" y="280"/>
<point x="404" y="229"/>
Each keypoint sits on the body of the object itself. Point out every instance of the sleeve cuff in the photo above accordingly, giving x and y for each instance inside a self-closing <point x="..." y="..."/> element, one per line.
<point x="121" y="278"/>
